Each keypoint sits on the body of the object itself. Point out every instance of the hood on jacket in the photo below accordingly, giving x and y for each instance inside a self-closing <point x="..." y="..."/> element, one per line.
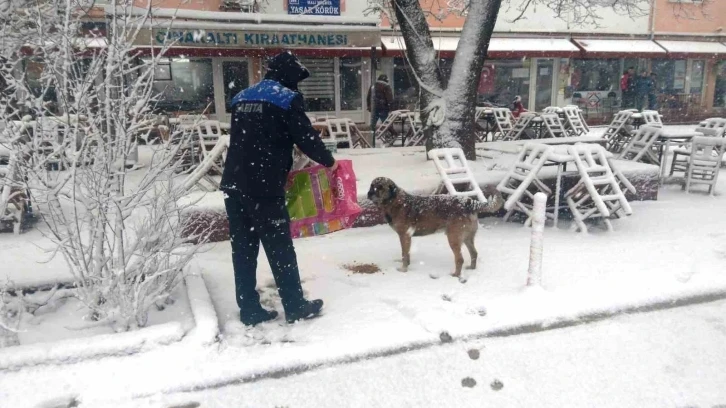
<point x="286" y="69"/>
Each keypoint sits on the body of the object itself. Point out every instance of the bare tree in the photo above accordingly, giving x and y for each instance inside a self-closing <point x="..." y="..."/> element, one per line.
<point x="448" y="110"/>
<point x="117" y="227"/>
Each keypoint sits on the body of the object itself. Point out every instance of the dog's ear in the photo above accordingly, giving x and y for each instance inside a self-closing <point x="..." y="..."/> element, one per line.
<point x="392" y="191"/>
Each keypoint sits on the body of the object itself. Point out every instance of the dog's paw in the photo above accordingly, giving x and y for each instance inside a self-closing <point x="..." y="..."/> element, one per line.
<point x="402" y="269"/>
<point x="471" y="267"/>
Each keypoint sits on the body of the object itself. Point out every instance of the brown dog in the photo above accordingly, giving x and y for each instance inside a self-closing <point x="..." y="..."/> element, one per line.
<point x="412" y="215"/>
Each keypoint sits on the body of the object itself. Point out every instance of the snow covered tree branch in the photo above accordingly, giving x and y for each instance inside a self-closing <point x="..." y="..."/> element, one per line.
<point x="74" y="128"/>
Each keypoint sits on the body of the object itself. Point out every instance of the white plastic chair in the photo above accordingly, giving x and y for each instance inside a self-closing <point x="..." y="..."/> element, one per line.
<point x="554" y="125"/>
<point x="640" y="147"/>
<point x="504" y="123"/>
<point x="339" y="131"/>
<point x="704" y="162"/>
<point x="617" y="134"/>
<point x="575" y="121"/>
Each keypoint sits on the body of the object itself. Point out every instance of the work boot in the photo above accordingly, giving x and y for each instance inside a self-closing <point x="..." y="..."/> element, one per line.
<point x="258" y="316"/>
<point x="307" y="310"/>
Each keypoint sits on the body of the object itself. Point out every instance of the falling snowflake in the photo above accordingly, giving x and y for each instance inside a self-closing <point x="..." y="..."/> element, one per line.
<point x="231" y="85"/>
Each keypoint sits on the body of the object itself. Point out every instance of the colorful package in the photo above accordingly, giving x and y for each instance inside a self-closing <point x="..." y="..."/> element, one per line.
<point x="320" y="201"/>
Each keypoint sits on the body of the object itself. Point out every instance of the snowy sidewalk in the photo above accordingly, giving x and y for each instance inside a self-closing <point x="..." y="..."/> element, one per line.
<point x="671" y="358"/>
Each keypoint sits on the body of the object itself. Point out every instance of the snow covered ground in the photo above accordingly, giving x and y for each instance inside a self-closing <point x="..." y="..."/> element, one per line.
<point x="669" y="249"/>
<point x="672" y="358"/>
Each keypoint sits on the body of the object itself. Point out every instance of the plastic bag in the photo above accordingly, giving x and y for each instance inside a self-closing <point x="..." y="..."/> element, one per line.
<point x="320" y="201"/>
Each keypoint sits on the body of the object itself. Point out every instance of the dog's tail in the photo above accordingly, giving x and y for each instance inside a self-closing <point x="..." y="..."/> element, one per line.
<point x="493" y="204"/>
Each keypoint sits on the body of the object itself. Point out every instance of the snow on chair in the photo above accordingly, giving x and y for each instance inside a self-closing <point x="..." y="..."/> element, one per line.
<point x="640" y="147"/>
<point x="455" y="172"/>
<point x="201" y="172"/>
<point x="209" y="134"/>
<point x="713" y="127"/>
<point x="652" y="118"/>
<point x="415" y="134"/>
<point x="617" y="135"/>
<point x="598" y="193"/>
<point x="385" y="131"/>
<point x="521" y="183"/>
<point x="519" y="128"/>
<point x="339" y="131"/>
<point x="357" y="136"/>
<point x="503" y="122"/>
<point x="704" y="162"/>
<point x="574" y="121"/>
<point x="554" y="125"/>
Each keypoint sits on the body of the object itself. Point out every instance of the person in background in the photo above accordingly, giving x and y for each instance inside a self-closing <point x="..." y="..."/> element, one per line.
<point x="267" y="120"/>
<point x="627" y="87"/>
<point x="642" y="88"/>
<point x="652" y="99"/>
<point x="384" y="100"/>
<point x="517" y="106"/>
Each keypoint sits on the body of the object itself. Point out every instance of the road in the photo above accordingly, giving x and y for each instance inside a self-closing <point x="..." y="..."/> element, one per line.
<point x="671" y="358"/>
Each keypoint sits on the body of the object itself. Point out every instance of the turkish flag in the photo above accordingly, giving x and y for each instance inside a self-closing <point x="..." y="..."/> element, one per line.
<point x="486" y="81"/>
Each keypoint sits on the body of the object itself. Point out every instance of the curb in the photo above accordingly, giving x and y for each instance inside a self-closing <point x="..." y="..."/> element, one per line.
<point x="206" y="329"/>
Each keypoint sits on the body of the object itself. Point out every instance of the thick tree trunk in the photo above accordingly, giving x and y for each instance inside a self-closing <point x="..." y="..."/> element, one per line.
<point x="454" y="108"/>
<point x="461" y="93"/>
<point x="422" y="56"/>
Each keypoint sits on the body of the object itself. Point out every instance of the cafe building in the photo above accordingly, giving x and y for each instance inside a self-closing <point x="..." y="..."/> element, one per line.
<point x="214" y="55"/>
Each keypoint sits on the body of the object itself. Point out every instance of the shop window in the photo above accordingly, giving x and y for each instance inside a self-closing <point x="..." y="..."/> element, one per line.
<point x="502" y="81"/>
<point x="350" y="84"/>
<point x="719" y="97"/>
<point x="235" y="77"/>
<point x="319" y="88"/>
<point x="671" y="76"/>
<point x="590" y="75"/>
<point x="185" y="85"/>
<point x="697" y="70"/>
<point x="405" y="85"/>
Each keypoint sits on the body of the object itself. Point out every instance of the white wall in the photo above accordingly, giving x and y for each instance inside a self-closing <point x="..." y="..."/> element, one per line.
<point x="542" y="19"/>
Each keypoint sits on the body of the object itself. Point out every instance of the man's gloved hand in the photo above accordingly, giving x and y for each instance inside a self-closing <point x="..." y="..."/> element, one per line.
<point x="334" y="166"/>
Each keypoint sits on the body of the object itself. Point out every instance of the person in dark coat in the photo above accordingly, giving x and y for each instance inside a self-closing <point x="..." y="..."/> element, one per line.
<point x="642" y="88"/>
<point x="267" y="120"/>
<point x="652" y="88"/>
<point x="384" y="100"/>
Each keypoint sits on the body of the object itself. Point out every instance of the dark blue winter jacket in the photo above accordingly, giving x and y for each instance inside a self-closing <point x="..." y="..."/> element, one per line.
<point x="643" y="85"/>
<point x="267" y="120"/>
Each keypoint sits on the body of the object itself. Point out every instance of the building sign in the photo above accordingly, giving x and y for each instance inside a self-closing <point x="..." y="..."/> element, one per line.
<point x="257" y="39"/>
<point x="314" y="7"/>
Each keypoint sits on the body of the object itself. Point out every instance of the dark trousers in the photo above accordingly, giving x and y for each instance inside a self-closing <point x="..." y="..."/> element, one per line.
<point x="641" y="101"/>
<point x="253" y="220"/>
<point x="628" y="100"/>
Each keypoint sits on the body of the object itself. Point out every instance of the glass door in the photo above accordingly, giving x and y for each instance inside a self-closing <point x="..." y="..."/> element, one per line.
<point x="545" y="75"/>
<point x="231" y="77"/>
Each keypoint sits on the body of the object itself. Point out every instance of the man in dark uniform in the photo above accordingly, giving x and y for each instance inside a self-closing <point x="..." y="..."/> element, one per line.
<point x="267" y="120"/>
